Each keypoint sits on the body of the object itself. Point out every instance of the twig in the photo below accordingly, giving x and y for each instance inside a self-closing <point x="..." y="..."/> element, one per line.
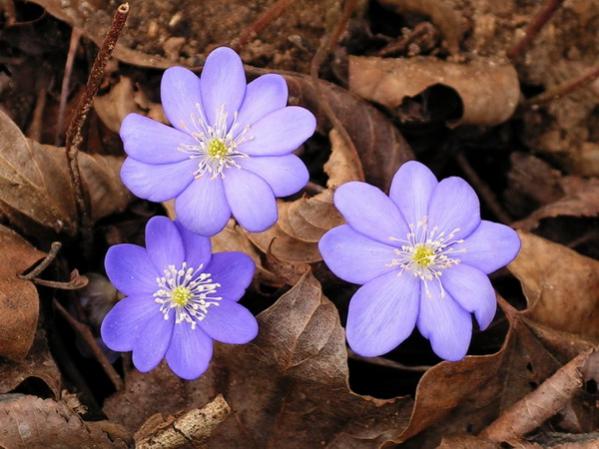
<point x="76" y="34"/>
<point x="483" y="189"/>
<point x="89" y="339"/>
<point x="565" y="88"/>
<point x="534" y="27"/>
<point x="45" y="263"/>
<point x="77" y="282"/>
<point x="386" y="363"/>
<point x="74" y="134"/>
<point x="35" y="128"/>
<point x="258" y="25"/>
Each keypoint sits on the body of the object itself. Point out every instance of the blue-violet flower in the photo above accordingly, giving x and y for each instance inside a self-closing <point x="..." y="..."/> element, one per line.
<point x="423" y="255"/>
<point x="180" y="298"/>
<point x="230" y="151"/>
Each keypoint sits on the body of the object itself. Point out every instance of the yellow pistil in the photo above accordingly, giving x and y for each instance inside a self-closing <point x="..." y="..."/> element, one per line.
<point x="181" y="295"/>
<point x="217" y="149"/>
<point x="423" y="255"/>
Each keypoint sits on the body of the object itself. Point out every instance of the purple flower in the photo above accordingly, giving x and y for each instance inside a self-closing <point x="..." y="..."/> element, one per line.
<point x="230" y="151"/>
<point x="180" y="297"/>
<point x="423" y="255"/>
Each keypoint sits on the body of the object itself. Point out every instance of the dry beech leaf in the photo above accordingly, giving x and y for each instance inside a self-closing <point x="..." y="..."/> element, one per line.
<point x="466" y="442"/>
<point x="19" y="301"/>
<point x="35" y="187"/>
<point x="28" y="422"/>
<point x="489" y="90"/>
<point x="561" y="286"/>
<point x="293" y="377"/>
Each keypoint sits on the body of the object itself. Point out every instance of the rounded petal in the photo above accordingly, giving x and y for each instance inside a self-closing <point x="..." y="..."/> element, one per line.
<point x="264" y="95"/>
<point x="411" y="190"/>
<point x="279" y="132"/>
<point x="369" y="211"/>
<point x="130" y="270"/>
<point x="490" y="247"/>
<point x="157" y="182"/>
<point x="251" y="200"/>
<point x="149" y="141"/>
<point x="382" y="313"/>
<point x="123" y="323"/>
<point x="223" y="84"/>
<point x="190" y="352"/>
<point x="163" y="243"/>
<point x="198" y="249"/>
<point x="152" y="342"/>
<point x="229" y="322"/>
<point x="473" y="291"/>
<point x="234" y="271"/>
<point x="454" y="207"/>
<point x="444" y="323"/>
<point x="202" y="207"/>
<point x="181" y="97"/>
<point x="354" y="257"/>
<point x="285" y="175"/>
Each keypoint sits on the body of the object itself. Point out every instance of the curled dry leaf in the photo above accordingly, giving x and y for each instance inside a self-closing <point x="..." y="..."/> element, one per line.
<point x="19" y="301"/>
<point x="466" y="442"/>
<point x="35" y="188"/>
<point x="293" y="377"/>
<point x="560" y="286"/>
<point x="488" y="89"/>
<point x="28" y="422"/>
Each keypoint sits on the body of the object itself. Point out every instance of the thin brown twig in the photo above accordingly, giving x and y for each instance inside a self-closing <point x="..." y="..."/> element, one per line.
<point x="89" y="339"/>
<point x="76" y="34"/>
<point x="566" y="87"/>
<point x="75" y="283"/>
<point x="483" y="189"/>
<point x="263" y="20"/>
<point x="74" y="133"/>
<point x="386" y="363"/>
<point x="45" y="263"/>
<point x="35" y="128"/>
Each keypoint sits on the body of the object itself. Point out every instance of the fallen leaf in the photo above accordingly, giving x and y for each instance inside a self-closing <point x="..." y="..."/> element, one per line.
<point x="466" y="442"/>
<point x="289" y="388"/>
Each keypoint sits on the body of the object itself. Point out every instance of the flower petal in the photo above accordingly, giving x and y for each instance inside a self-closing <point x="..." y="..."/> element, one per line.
<point x="152" y="142"/>
<point x="285" y="175"/>
<point x="444" y="323"/>
<point x="251" y="199"/>
<point x="198" y="250"/>
<point x="473" y="291"/>
<point x="203" y="207"/>
<point x="369" y="211"/>
<point x="230" y="322"/>
<point x="190" y="352"/>
<point x="152" y="342"/>
<point x="455" y="207"/>
<point x="130" y="270"/>
<point x="490" y="247"/>
<point x="123" y="323"/>
<point x="354" y="257"/>
<point x="181" y="98"/>
<point x="411" y="190"/>
<point x="164" y="244"/>
<point x="382" y="313"/>
<point x="223" y="84"/>
<point x="279" y="132"/>
<point x="264" y="95"/>
<point x="157" y="182"/>
<point x="234" y="271"/>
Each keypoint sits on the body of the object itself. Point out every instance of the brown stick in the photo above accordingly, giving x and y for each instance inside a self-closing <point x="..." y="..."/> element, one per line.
<point x="35" y="128"/>
<point x="263" y="20"/>
<point x="89" y="339"/>
<point x="54" y="248"/>
<point x="76" y="34"/>
<point x="566" y="87"/>
<point x="75" y="283"/>
<point x="74" y="135"/>
<point x="534" y="27"/>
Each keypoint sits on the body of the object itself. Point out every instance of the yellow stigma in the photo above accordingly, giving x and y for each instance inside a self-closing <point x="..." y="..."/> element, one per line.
<point x="423" y="255"/>
<point x="180" y="295"/>
<point x="217" y="149"/>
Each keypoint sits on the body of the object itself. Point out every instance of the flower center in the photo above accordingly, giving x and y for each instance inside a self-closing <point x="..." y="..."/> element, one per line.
<point x="187" y="292"/>
<point x="423" y="255"/>
<point x="216" y="145"/>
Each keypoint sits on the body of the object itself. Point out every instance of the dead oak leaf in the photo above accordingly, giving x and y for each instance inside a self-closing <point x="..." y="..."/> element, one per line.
<point x="288" y="389"/>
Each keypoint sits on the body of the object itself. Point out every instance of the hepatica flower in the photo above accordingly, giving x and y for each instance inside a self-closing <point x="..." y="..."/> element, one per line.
<point x="230" y="151"/>
<point x="180" y="298"/>
<point x="423" y="255"/>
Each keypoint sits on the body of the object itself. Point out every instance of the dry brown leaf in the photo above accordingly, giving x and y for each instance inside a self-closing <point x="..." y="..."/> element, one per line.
<point x="289" y="388"/>
<point x="466" y="442"/>
<point x="489" y="89"/>
<point x="561" y="286"/>
<point x="35" y="187"/>
<point x="28" y="422"/>
<point x="19" y="301"/>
